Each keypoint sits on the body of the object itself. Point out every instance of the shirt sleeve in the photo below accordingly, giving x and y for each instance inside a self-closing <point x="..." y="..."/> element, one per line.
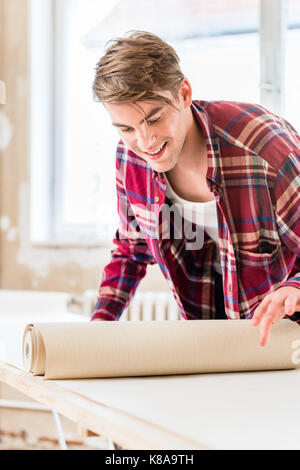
<point x="128" y="264"/>
<point x="287" y="197"/>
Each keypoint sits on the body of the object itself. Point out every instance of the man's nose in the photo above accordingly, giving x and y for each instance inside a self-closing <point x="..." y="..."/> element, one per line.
<point x="145" y="139"/>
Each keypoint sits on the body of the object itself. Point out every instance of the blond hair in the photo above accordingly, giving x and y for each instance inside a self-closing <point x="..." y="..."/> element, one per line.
<point x="135" y="68"/>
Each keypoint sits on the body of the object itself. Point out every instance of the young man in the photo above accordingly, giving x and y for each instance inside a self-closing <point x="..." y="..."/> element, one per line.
<point x="236" y="163"/>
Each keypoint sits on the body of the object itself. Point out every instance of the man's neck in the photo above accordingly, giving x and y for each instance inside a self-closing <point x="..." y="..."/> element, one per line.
<point x="194" y="153"/>
<point x="188" y="177"/>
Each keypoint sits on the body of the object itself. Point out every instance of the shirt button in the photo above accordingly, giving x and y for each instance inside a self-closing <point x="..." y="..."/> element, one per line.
<point x="156" y="199"/>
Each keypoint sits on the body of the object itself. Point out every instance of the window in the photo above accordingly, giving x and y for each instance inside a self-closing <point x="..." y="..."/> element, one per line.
<point x="84" y="187"/>
<point x="219" y="46"/>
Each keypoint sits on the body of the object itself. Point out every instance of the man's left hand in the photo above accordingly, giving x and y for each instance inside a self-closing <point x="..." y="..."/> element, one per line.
<point x="284" y="301"/>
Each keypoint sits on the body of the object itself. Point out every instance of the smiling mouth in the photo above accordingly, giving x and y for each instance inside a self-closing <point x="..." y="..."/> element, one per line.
<point x="158" y="153"/>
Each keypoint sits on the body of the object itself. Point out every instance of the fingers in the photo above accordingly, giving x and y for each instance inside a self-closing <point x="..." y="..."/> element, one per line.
<point x="265" y="330"/>
<point x="261" y="311"/>
<point x="290" y="305"/>
<point x="271" y="310"/>
<point x="275" y="306"/>
<point x="269" y="313"/>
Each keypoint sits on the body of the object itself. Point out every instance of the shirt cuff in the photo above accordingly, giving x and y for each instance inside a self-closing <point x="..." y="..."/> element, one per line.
<point x="107" y="309"/>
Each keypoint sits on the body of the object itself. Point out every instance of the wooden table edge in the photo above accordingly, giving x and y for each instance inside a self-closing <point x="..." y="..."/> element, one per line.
<point x="128" y="431"/>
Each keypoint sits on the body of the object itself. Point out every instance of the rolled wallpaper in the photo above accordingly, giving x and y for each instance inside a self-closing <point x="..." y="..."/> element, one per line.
<point x="124" y="349"/>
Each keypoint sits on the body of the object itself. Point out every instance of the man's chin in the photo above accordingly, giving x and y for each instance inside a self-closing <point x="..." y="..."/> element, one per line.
<point x="162" y="167"/>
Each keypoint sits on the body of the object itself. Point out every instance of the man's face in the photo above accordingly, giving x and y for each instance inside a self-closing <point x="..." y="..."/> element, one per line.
<point x="153" y="130"/>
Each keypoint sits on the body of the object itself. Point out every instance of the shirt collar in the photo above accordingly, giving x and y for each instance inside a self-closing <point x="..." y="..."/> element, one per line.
<point x="212" y="143"/>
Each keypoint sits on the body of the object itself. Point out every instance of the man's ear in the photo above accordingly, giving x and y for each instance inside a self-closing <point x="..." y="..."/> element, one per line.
<point x="185" y="93"/>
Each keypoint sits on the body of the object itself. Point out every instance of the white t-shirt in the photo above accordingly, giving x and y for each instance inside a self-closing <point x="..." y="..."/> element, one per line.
<point x="201" y="213"/>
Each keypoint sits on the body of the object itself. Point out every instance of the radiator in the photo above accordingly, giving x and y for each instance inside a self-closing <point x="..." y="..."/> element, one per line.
<point x="145" y="306"/>
<point x="148" y="306"/>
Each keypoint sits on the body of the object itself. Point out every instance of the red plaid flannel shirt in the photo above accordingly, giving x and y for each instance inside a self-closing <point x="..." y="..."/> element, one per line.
<point x="253" y="172"/>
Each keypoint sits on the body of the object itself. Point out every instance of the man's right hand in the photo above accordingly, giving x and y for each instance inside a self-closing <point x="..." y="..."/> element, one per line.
<point x="99" y="319"/>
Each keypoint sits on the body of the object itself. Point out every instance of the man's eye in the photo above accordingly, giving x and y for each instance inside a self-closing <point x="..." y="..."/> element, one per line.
<point x="129" y="129"/>
<point x="155" y="120"/>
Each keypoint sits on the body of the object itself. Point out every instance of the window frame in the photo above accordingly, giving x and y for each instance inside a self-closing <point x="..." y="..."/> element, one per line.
<point x="41" y="118"/>
<point x="273" y="26"/>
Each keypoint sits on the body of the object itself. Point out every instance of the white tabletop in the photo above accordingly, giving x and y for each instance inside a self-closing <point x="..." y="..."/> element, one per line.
<point x="247" y="410"/>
